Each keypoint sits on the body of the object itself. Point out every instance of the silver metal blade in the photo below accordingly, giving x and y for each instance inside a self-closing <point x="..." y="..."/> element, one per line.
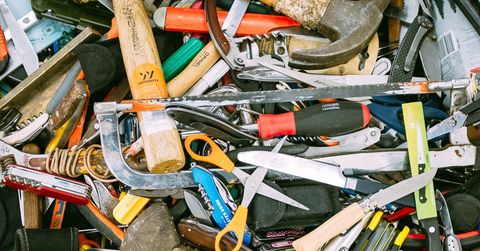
<point x="108" y="4"/>
<point x="268" y="191"/>
<point x="315" y="81"/>
<point x="196" y="206"/>
<point x="23" y="45"/>
<point x="304" y="168"/>
<point x="444" y="213"/>
<point x="449" y="124"/>
<point x="234" y="17"/>
<point x="403" y="188"/>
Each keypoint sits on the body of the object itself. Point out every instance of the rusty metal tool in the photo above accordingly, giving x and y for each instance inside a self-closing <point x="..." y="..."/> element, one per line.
<point x="350" y="25"/>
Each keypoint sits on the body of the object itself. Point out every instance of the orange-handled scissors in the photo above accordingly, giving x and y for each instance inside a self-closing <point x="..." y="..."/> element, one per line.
<point x="253" y="184"/>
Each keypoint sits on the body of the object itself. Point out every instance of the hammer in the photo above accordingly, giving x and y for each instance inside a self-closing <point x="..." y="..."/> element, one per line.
<point x="349" y="24"/>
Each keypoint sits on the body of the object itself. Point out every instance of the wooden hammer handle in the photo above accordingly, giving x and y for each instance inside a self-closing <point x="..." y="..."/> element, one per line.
<point x="162" y="144"/>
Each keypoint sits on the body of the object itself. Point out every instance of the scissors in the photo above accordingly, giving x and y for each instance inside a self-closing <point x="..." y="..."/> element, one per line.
<point x="253" y="184"/>
<point x="467" y="116"/>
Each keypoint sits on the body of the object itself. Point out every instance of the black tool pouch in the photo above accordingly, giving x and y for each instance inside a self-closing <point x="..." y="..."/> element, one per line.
<point x="266" y="214"/>
<point x="46" y="239"/>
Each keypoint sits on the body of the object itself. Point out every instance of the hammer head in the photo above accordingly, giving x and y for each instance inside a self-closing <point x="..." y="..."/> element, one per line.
<point x="350" y="25"/>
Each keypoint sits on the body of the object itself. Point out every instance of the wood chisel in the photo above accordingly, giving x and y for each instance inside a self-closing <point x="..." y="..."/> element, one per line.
<point x="23" y="45"/>
<point x="163" y="147"/>
<point x="425" y="202"/>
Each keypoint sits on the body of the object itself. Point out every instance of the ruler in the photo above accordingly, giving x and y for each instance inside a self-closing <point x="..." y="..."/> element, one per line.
<point x="419" y="163"/>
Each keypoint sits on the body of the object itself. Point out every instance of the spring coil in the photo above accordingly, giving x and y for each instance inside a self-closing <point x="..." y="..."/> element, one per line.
<point x="265" y="42"/>
<point x="63" y="162"/>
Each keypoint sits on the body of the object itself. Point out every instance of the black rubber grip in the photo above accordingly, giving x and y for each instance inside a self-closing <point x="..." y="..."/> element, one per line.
<point x="331" y="118"/>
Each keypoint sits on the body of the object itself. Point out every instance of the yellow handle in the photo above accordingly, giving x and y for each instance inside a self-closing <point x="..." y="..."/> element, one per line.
<point x="375" y="220"/>
<point x="401" y="237"/>
<point x="237" y="226"/>
<point x="216" y="157"/>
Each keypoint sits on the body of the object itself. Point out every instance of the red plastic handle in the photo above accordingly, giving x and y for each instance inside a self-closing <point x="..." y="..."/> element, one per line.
<point x="271" y="125"/>
<point x="192" y="20"/>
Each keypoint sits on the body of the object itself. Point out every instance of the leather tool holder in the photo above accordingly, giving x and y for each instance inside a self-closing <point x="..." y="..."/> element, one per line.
<point x="46" y="239"/>
<point x="266" y="214"/>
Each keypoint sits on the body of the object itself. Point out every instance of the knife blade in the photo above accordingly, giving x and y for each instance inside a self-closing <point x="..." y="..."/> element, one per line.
<point x="357" y="211"/>
<point x="324" y="172"/>
<point x="196" y="206"/>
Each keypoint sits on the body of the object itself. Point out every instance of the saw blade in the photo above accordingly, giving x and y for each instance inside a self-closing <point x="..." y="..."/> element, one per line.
<point x="280" y="96"/>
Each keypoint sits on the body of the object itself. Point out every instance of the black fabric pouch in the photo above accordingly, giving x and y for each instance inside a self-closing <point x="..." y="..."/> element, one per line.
<point x="46" y="239"/>
<point x="266" y="214"/>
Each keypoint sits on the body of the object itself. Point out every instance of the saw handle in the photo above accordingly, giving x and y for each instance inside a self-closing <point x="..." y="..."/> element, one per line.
<point x="337" y="224"/>
<point x="214" y="28"/>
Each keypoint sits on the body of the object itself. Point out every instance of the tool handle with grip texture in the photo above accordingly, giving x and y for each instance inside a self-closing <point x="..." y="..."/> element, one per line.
<point x="320" y="119"/>
<point x="331" y="228"/>
<point x="432" y="233"/>
<point x="398" y="72"/>
<point x="237" y="226"/>
<point x="200" y="64"/>
<point x="177" y="62"/>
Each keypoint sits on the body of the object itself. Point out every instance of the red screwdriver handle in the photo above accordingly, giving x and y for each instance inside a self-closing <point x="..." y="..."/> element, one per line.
<point x="326" y="119"/>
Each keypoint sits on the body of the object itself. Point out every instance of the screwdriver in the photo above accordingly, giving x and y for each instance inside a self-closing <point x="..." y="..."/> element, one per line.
<point x="397" y="244"/>
<point x="321" y="119"/>
<point x="362" y="240"/>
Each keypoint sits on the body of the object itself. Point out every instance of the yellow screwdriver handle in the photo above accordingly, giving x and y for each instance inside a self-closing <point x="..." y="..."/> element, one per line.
<point x="237" y="226"/>
<point x="216" y="157"/>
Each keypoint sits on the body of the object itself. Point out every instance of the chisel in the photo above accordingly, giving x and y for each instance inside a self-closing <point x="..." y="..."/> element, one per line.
<point x="163" y="147"/>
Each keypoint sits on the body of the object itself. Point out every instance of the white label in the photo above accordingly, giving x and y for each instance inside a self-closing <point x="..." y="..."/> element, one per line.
<point x="155" y="121"/>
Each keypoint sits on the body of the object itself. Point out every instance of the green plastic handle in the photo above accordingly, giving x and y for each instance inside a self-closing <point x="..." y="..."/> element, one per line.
<point x="177" y="62"/>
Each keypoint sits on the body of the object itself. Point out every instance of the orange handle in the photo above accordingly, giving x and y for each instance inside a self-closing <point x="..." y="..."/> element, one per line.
<point x="192" y="20"/>
<point x="216" y="157"/>
<point x="237" y="226"/>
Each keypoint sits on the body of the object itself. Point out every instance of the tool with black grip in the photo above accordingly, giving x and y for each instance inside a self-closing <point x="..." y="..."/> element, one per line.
<point x="425" y="203"/>
<point x="320" y="119"/>
<point x="404" y="62"/>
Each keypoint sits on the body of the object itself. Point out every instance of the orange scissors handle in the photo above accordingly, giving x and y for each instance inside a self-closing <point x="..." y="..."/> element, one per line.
<point x="216" y="157"/>
<point x="237" y="226"/>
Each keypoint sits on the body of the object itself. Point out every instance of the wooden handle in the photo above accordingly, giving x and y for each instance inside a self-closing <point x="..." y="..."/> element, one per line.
<point x="162" y="144"/>
<point x="68" y="105"/>
<point x="331" y="228"/>
<point x="32" y="203"/>
<point x="204" y="60"/>
<point x="237" y="226"/>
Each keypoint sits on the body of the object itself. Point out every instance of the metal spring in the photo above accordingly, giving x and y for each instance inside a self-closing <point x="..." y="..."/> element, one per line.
<point x="27" y="122"/>
<point x="265" y="42"/>
<point x="205" y="198"/>
<point x="63" y="162"/>
<point x="309" y="140"/>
